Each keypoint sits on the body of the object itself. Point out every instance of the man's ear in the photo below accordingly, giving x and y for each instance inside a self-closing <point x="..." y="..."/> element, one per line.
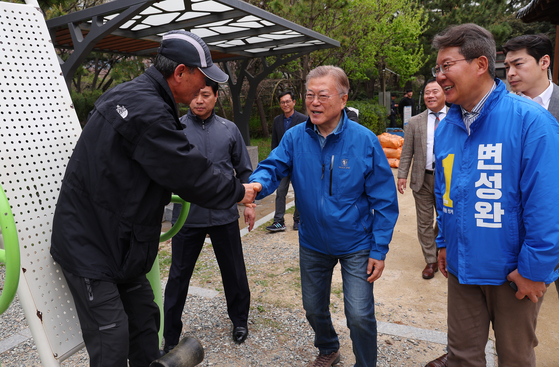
<point x="482" y="64"/>
<point x="179" y="72"/>
<point x="344" y="99"/>
<point x="545" y="62"/>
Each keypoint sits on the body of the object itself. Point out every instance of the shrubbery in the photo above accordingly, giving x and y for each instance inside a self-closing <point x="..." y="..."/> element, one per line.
<point x="371" y="115"/>
<point x="84" y="103"/>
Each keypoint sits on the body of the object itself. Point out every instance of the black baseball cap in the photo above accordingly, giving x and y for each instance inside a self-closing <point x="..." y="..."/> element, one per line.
<point x="189" y="49"/>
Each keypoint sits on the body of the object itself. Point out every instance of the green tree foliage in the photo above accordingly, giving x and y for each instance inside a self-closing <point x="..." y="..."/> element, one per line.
<point x="497" y="16"/>
<point x="374" y="34"/>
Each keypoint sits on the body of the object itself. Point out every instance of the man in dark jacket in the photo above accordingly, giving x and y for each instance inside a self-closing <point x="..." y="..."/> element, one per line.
<point x="129" y="158"/>
<point x="282" y="123"/>
<point x="222" y="143"/>
<point x="404" y="102"/>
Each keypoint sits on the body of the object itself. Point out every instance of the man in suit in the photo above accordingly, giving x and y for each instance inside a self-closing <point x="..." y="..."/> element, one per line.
<point x="282" y="123"/>
<point x="418" y="144"/>
<point x="528" y="64"/>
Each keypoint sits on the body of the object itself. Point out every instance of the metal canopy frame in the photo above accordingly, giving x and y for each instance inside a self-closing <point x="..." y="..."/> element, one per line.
<point x="233" y="30"/>
<point x="544" y="11"/>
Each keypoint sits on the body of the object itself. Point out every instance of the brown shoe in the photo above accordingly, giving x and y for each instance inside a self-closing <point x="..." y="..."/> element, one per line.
<point x="429" y="271"/>
<point x="439" y="362"/>
<point x="326" y="360"/>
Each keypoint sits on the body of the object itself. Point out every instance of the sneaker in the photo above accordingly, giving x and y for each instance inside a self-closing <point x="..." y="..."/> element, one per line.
<point x="326" y="360"/>
<point x="276" y="227"/>
<point x="295" y="225"/>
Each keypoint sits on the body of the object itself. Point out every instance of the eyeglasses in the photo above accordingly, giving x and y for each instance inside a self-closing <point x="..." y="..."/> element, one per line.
<point x="445" y="67"/>
<point x="286" y="102"/>
<point x="322" y="98"/>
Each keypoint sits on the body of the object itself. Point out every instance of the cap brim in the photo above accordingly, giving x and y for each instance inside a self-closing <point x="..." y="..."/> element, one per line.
<point x="215" y="73"/>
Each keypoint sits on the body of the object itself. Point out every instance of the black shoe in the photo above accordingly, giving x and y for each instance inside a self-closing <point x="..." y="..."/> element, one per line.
<point x="295" y="225"/>
<point x="276" y="227"/>
<point x="166" y="349"/>
<point x="240" y="334"/>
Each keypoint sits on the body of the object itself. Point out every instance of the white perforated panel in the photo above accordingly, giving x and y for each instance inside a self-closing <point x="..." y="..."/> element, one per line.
<point x="38" y="130"/>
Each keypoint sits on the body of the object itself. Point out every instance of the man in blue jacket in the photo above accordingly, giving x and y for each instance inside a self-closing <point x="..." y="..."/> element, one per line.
<point x="348" y="211"/>
<point x="496" y="156"/>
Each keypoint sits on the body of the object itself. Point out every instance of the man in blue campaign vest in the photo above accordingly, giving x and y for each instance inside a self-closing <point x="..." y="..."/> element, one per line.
<point x="528" y="62"/>
<point x="496" y="156"/>
<point x="348" y="211"/>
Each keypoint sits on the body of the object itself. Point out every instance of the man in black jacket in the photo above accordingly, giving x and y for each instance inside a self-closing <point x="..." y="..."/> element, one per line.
<point x="407" y="101"/>
<point x="129" y="158"/>
<point x="282" y="123"/>
<point x="222" y="143"/>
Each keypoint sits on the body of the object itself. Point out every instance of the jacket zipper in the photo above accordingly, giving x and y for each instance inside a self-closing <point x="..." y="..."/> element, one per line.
<point x="331" y="170"/>
<point x="88" y="287"/>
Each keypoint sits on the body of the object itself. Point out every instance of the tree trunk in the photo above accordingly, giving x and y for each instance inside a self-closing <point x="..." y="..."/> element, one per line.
<point x="265" y="132"/>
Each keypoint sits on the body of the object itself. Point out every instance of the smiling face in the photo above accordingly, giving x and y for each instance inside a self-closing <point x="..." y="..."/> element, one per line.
<point x="203" y="103"/>
<point x="325" y="115"/>
<point x="287" y="105"/>
<point x="461" y="82"/>
<point x="434" y="97"/>
<point x="525" y="74"/>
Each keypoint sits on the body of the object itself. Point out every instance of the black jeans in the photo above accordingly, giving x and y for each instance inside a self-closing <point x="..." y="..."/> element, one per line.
<point x="186" y="247"/>
<point x="281" y="192"/>
<point x="119" y="321"/>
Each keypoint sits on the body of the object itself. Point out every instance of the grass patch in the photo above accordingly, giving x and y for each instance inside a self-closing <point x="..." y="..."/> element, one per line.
<point x="263" y="283"/>
<point x="264" y="147"/>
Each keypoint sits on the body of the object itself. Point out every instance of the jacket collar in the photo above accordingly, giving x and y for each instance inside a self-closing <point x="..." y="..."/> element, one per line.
<point x="454" y="115"/>
<point x="162" y="87"/>
<point x="309" y="128"/>
<point x="198" y="120"/>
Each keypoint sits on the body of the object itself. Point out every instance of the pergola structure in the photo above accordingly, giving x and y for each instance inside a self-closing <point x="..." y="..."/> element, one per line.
<point x="543" y="11"/>
<point x="233" y="30"/>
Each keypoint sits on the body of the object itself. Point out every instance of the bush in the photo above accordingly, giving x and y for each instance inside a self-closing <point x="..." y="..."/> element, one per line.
<point x="371" y="115"/>
<point x="84" y="103"/>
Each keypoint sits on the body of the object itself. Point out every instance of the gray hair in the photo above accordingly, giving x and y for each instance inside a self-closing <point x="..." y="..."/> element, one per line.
<point x="167" y="66"/>
<point x="474" y="41"/>
<point x="342" y="82"/>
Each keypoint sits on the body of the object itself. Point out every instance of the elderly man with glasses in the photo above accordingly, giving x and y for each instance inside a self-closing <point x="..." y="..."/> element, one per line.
<point x="347" y="200"/>
<point x="496" y="155"/>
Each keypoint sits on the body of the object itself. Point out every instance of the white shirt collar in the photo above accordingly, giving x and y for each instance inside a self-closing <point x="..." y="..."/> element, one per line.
<point x="544" y="98"/>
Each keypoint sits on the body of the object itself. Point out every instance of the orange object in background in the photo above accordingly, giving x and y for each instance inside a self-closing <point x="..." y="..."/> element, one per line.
<point x="392" y="153"/>
<point x="394" y="163"/>
<point x="388" y="140"/>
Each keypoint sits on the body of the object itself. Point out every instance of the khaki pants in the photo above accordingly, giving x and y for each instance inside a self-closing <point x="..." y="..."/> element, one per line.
<point x="471" y="308"/>
<point x="425" y="209"/>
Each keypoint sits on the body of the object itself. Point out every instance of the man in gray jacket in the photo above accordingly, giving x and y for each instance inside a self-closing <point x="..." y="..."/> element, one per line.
<point x="221" y="142"/>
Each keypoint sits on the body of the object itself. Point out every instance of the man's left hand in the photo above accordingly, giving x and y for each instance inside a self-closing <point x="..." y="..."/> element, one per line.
<point x="526" y="287"/>
<point x="375" y="267"/>
<point x="250" y="215"/>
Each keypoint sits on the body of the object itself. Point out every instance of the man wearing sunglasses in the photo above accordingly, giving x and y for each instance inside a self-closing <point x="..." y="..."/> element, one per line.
<point x="496" y="155"/>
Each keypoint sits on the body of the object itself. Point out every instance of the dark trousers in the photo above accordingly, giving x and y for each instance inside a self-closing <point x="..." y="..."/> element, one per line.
<point x="281" y="192"/>
<point x="186" y="247"/>
<point x="119" y="321"/>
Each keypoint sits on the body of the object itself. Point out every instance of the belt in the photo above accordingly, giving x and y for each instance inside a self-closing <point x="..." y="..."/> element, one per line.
<point x="428" y="172"/>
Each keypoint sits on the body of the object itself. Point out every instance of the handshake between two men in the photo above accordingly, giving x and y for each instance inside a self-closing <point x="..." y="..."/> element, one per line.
<point x="251" y="190"/>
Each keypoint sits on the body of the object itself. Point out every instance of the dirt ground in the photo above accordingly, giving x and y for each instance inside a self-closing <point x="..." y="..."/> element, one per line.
<point x="402" y="296"/>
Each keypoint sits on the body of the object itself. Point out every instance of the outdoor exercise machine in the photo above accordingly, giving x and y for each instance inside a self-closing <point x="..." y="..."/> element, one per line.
<point x="38" y="130"/>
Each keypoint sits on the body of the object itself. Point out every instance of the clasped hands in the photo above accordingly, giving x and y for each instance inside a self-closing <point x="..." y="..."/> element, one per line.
<point x="251" y="190"/>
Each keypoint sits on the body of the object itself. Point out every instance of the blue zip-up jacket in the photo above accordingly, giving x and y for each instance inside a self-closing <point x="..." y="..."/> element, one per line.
<point x="345" y="192"/>
<point x="496" y="191"/>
